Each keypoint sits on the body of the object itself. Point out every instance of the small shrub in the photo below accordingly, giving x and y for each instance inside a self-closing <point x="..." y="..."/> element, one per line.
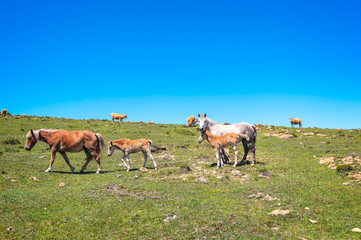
<point x="10" y="141"/>
<point x="344" y="168"/>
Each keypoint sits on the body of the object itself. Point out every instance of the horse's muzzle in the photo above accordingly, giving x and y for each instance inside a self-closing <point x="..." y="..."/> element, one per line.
<point x="27" y="148"/>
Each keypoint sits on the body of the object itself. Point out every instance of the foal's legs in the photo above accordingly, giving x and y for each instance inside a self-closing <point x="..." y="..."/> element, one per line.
<point x="219" y="159"/>
<point x="125" y="165"/>
<point x="148" y="154"/>
<point x="128" y="161"/>
<point x="52" y="158"/>
<point x="235" y="153"/>
<point x="224" y="155"/>
<point x="145" y="159"/>
<point x="67" y="161"/>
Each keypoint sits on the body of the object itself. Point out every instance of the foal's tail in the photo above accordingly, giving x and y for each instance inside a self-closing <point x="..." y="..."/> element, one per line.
<point x="100" y="143"/>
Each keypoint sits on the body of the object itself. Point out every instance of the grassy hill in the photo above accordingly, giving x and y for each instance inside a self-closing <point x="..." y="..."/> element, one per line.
<point x="170" y="203"/>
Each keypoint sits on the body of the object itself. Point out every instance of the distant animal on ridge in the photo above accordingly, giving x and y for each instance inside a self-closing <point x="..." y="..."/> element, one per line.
<point x="132" y="146"/>
<point x="3" y="112"/>
<point x="220" y="142"/>
<point x="295" y="121"/>
<point x="219" y="129"/>
<point x="119" y="117"/>
<point x="191" y="121"/>
<point x="68" y="141"/>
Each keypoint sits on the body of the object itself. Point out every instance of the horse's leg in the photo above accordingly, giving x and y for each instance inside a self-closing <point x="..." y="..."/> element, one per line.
<point x="50" y="168"/>
<point x="128" y="161"/>
<point x="246" y="149"/>
<point x="151" y="157"/>
<point x="224" y="156"/>
<point x="145" y="159"/>
<point x="88" y="158"/>
<point x="235" y="153"/>
<point x="254" y="154"/>
<point x="67" y="161"/>
<point x="125" y="165"/>
<point x="220" y="159"/>
<point x="217" y="157"/>
<point x="97" y="158"/>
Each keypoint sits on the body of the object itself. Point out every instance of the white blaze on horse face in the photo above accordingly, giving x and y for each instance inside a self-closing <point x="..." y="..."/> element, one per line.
<point x="201" y="138"/>
<point x="203" y="123"/>
<point x="30" y="141"/>
<point x="110" y="150"/>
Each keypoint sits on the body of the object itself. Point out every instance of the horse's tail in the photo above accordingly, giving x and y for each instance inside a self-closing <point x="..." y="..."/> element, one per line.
<point x="100" y="143"/>
<point x="243" y="136"/>
<point x="254" y="135"/>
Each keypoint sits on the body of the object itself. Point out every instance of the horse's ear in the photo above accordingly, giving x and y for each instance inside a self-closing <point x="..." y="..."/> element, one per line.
<point x="111" y="143"/>
<point x="199" y="115"/>
<point x="32" y="133"/>
<point x="205" y="114"/>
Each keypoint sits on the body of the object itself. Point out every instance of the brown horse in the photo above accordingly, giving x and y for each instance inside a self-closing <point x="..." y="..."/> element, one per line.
<point x="4" y="112"/>
<point x="68" y="141"/>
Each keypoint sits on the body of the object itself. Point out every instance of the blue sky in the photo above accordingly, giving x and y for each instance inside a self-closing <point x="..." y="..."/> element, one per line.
<point x="252" y="61"/>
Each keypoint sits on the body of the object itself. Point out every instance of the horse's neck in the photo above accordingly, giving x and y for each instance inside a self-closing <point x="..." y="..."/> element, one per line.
<point x="211" y="124"/>
<point x="43" y="136"/>
<point x="209" y="136"/>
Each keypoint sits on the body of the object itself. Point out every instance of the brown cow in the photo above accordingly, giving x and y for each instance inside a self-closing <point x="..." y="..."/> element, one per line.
<point x="119" y="117"/>
<point x="3" y="112"/>
<point x="296" y="121"/>
<point x="191" y="121"/>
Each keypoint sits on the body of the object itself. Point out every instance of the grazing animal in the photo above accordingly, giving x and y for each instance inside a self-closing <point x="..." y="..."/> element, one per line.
<point x="296" y="121"/>
<point x="219" y="129"/>
<point x="150" y="121"/>
<point x="3" y="112"/>
<point x="68" y="141"/>
<point x="119" y="117"/>
<point x="132" y="146"/>
<point x="191" y="121"/>
<point x="220" y="142"/>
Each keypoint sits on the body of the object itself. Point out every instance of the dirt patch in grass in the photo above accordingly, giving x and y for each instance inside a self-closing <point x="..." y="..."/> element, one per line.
<point x="118" y="191"/>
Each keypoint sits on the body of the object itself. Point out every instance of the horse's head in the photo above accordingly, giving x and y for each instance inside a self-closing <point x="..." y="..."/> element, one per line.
<point x="31" y="140"/>
<point x="202" y="136"/>
<point x="203" y="121"/>
<point x="110" y="148"/>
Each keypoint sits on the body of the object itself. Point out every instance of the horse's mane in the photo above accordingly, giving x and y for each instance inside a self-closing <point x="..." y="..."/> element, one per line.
<point x="211" y="121"/>
<point x="48" y="131"/>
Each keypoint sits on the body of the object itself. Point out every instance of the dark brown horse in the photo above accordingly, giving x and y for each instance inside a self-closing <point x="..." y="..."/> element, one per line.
<point x="68" y="141"/>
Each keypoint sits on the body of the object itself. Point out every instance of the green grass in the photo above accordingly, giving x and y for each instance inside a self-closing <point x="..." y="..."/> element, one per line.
<point x="134" y="205"/>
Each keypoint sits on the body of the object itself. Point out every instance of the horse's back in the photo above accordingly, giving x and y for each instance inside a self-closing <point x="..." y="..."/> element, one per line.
<point x="242" y="128"/>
